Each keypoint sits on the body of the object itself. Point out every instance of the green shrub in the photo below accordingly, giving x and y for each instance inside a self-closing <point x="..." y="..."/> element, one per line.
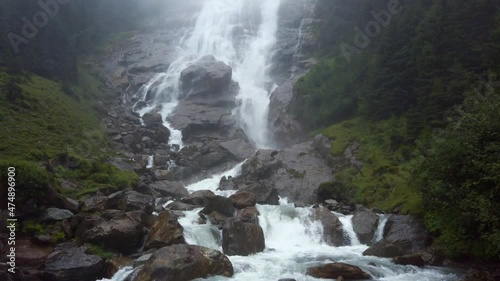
<point x="31" y="180"/>
<point x="459" y="175"/>
<point x="334" y="190"/>
<point x="100" y="251"/>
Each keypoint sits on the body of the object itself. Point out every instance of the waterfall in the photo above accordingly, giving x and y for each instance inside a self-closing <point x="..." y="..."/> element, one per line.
<point x="379" y="233"/>
<point x="241" y="33"/>
<point x="121" y="274"/>
<point x="348" y="228"/>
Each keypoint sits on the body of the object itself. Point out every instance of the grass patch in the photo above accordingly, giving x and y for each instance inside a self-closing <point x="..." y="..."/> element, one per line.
<point x="383" y="180"/>
<point x="100" y="251"/>
<point x="45" y="120"/>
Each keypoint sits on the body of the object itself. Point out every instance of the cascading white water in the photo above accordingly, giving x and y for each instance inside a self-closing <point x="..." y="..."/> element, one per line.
<point x="241" y="33"/>
<point x="294" y="243"/>
<point x="379" y="233"/>
<point x="348" y="228"/>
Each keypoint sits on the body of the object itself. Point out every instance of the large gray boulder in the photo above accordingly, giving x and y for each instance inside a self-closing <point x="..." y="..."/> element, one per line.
<point x="295" y="172"/>
<point x="198" y="198"/>
<point x="219" y="204"/>
<point x="72" y="263"/>
<point x="170" y="189"/>
<point x="239" y="148"/>
<point x="165" y="231"/>
<point x="114" y="229"/>
<point x="365" y="224"/>
<point x="135" y="201"/>
<point x="333" y="232"/>
<point x="184" y="263"/>
<point x="406" y="230"/>
<point x="206" y="76"/>
<point x="242" y="238"/>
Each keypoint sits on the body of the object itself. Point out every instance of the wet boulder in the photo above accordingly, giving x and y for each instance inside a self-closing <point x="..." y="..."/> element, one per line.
<point x="240" y="149"/>
<point x="179" y="206"/>
<point x="386" y="249"/>
<point x="249" y="214"/>
<point x="285" y="129"/>
<point x="338" y="269"/>
<point x="170" y="189"/>
<point x="219" y="204"/>
<point x="243" y="199"/>
<point x="69" y="263"/>
<point x="198" y="198"/>
<point x="115" y="230"/>
<point x="333" y="232"/>
<point x="265" y="194"/>
<point x="152" y="119"/>
<point x="165" y="231"/>
<point x="135" y="201"/>
<point x="364" y="223"/>
<point x="183" y="263"/>
<point x="206" y="76"/>
<point x="406" y="231"/>
<point x="242" y="238"/>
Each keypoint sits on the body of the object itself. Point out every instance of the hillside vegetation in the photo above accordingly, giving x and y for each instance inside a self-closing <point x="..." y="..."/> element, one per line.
<point x="413" y="98"/>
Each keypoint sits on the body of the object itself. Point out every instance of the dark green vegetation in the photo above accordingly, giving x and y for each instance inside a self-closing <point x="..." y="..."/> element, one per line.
<point x="72" y="30"/>
<point x="395" y="98"/>
<point x="50" y="95"/>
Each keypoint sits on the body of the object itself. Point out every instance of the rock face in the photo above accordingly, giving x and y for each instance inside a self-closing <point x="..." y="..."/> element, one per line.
<point x="336" y="270"/>
<point x="295" y="172"/>
<point x="71" y="263"/>
<point x="183" y="263"/>
<point x="365" y="224"/>
<point x="206" y="76"/>
<point x="285" y="129"/>
<point x="115" y="230"/>
<point x="333" y="233"/>
<point x="29" y="255"/>
<point x="242" y="238"/>
<point x="165" y="231"/>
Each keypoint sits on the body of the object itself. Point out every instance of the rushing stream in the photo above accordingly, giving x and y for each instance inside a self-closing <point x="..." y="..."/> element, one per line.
<point x="293" y="240"/>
